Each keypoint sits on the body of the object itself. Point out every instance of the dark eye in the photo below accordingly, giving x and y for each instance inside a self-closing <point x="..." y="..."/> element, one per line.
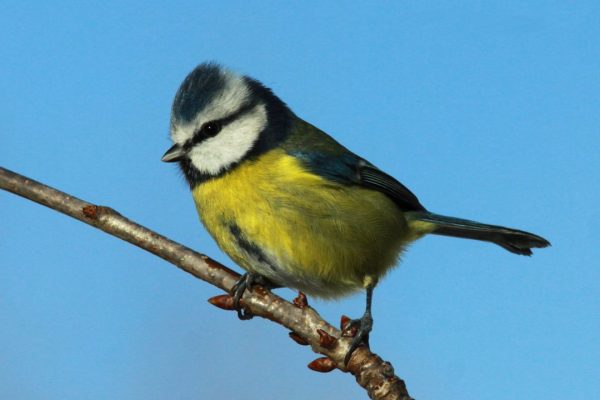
<point x="211" y="128"/>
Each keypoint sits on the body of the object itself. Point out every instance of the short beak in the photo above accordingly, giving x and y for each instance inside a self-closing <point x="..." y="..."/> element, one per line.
<point x="175" y="153"/>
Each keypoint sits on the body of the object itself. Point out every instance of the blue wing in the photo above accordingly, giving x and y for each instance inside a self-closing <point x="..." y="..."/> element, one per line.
<point x="349" y="169"/>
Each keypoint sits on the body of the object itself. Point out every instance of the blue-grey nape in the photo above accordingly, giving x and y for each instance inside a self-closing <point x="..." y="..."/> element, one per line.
<point x="197" y="90"/>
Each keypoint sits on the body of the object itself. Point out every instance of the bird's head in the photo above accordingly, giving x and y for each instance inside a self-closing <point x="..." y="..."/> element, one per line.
<point x="219" y="119"/>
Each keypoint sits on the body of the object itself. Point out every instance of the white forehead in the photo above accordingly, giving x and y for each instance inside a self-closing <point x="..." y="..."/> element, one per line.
<point x="225" y="102"/>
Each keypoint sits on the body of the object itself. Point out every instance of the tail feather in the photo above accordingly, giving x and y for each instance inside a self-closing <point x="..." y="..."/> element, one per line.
<point x="513" y="240"/>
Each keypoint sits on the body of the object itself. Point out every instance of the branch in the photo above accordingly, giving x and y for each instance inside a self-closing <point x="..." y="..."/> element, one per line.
<point x="307" y="327"/>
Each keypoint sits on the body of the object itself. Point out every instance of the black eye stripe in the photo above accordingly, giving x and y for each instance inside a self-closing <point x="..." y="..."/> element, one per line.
<point x="243" y="110"/>
<point x="200" y="134"/>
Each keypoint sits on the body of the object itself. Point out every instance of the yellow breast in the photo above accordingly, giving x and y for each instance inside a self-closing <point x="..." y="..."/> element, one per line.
<point x="321" y="237"/>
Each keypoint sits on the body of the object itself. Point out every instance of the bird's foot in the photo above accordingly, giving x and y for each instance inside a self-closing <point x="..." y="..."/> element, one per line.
<point x="246" y="282"/>
<point x="362" y="327"/>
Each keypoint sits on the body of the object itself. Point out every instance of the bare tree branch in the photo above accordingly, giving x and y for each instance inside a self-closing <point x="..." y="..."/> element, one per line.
<point x="307" y="327"/>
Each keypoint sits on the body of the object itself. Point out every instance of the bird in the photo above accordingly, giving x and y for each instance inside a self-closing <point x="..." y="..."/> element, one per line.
<point x="290" y="204"/>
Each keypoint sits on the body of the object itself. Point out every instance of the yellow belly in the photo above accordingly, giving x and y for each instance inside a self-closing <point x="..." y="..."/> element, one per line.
<point x="320" y="237"/>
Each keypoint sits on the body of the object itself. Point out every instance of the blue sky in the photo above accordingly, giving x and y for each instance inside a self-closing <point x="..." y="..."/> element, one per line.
<point x="486" y="111"/>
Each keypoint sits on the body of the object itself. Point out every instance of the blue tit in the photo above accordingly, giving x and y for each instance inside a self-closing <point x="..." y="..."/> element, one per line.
<point x="290" y="204"/>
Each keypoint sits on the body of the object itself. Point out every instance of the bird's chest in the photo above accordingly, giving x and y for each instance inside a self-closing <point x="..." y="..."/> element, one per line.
<point x="271" y="203"/>
<point x="275" y="218"/>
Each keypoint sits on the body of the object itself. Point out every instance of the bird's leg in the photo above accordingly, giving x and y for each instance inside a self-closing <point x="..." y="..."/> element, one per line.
<point x="364" y="325"/>
<point x="246" y="282"/>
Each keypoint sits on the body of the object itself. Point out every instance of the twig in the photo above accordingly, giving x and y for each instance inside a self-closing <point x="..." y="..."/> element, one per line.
<point x="371" y="372"/>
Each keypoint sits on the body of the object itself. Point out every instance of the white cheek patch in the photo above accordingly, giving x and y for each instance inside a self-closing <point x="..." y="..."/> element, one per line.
<point x="215" y="154"/>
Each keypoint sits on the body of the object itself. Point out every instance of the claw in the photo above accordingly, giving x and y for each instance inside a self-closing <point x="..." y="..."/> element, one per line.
<point x="237" y="291"/>
<point x="246" y="282"/>
<point x="363" y="327"/>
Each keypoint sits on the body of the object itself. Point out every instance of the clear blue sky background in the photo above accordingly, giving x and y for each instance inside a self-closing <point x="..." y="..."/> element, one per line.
<point x="486" y="111"/>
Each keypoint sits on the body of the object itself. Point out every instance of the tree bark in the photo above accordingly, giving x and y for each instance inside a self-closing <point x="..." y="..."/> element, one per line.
<point x="306" y="326"/>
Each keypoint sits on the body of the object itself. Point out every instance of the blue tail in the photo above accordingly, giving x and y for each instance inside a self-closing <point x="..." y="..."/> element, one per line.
<point x="513" y="240"/>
